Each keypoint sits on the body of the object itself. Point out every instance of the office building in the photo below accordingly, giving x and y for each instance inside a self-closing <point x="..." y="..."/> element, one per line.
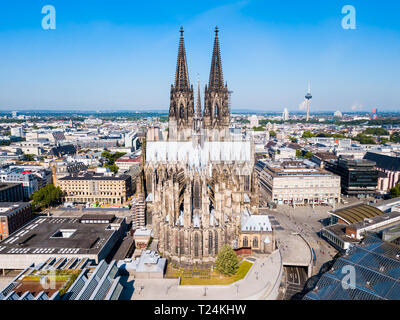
<point x="297" y="182"/>
<point x="359" y="177"/>
<point x="92" y="188"/>
<point x="13" y="215"/>
<point x="11" y="192"/>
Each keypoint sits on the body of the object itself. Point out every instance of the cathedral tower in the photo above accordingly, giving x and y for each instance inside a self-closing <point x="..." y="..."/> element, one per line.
<point x="216" y="98"/>
<point x="181" y="109"/>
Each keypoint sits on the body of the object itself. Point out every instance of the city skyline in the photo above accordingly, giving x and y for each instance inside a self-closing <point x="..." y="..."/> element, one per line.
<point x="119" y="56"/>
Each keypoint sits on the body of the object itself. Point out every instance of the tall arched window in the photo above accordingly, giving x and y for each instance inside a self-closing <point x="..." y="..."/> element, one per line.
<point x="148" y="183"/>
<point x="176" y="243"/>
<point x="182" y="241"/>
<point x="245" y="242"/>
<point x="216" y="111"/>
<point x="246" y="183"/>
<point x="210" y="242"/>
<point x="196" y="195"/>
<point x="167" y="240"/>
<point x="182" y="112"/>
<point x="196" y="244"/>
<point x="216" y="242"/>
<point x="255" y="242"/>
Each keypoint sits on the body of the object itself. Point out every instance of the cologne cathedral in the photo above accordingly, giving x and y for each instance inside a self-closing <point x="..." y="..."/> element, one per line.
<point x="199" y="179"/>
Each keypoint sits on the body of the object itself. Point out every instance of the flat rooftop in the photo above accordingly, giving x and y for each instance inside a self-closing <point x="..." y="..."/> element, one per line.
<point x="387" y="217"/>
<point x="339" y="230"/>
<point x="94" y="177"/>
<point x="7" y="207"/>
<point x="291" y="167"/>
<point x="5" y="186"/>
<point x="75" y="212"/>
<point x="49" y="235"/>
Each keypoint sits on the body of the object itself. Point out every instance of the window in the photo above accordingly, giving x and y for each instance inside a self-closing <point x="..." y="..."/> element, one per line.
<point x="245" y="242"/>
<point x="246" y="183"/>
<point x="182" y="242"/>
<point x="167" y="240"/>
<point x="216" y="242"/>
<point x="196" y="196"/>
<point x="182" y="112"/>
<point x="255" y="242"/>
<point x="196" y="245"/>
<point x="176" y="243"/>
<point x="216" y="111"/>
<point x="210" y="242"/>
<point x="148" y="183"/>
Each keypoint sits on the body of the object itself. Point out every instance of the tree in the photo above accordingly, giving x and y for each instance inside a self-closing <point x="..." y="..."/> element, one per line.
<point x="363" y="139"/>
<point x="299" y="153"/>
<point x="376" y="132"/>
<point x="227" y="262"/>
<point x="259" y="128"/>
<point x="46" y="196"/>
<point x="395" y="191"/>
<point x="308" y="134"/>
<point x="292" y="139"/>
<point x="272" y="133"/>
<point x="113" y="167"/>
<point x="395" y="137"/>
<point x="111" y="158"/>
<point x="29" y="157"/>
<point x="384" y="141"/>
<point x="308" y="155"/>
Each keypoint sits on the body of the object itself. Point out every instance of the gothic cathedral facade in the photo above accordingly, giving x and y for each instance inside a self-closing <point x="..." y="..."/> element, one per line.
<point x="200" y="180"/>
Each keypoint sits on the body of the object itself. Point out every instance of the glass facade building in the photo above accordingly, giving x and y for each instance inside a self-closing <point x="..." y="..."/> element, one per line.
<point x="358" y="177"/>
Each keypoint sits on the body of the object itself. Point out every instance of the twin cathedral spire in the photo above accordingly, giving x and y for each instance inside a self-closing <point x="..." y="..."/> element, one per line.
<point x="185" y="120"/>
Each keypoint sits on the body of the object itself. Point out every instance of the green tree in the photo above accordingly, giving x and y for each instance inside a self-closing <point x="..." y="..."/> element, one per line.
<point x="272" y="133"/>
<point x="292" y="139"/>
<point x="376" y="132"/>
<point x="259" y="128"/>
<point x="308" y="155"/>
<point x="395" y="191"/>
<point x="113" y="167"/>
<point x="29" y="157"/>
<point x="395" y="137"/>
<point x="363" y="139"/>
<point x="299" y="153"/>
<point x="383" y="140"/>
<point x="46" y="196"/>
<point x="308" y="134"/>
<point x="227" y="262"/>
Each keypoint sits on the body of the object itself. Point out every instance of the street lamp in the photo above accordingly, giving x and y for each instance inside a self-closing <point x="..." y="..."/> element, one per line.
<point x="237" y="288"/>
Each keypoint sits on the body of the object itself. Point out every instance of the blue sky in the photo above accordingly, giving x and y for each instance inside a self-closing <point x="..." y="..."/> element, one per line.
<point x="121" y="55"/>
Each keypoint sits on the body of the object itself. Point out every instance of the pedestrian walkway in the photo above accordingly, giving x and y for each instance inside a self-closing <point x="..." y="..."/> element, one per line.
<point x="261" y="282"/>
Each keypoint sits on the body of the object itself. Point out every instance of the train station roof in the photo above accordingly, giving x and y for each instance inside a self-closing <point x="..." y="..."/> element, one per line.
<point x="357" y="213"/>
<point x="376" y="266"/>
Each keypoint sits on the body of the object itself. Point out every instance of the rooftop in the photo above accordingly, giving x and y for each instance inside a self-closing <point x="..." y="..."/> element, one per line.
<point x="49" y="235"/>
<point x="377" y="271"/>
<point x="88" y="176"/>
<point x="8" y="207"/>
<point x="357" y="213"/>
<point x="4" y="186"/>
